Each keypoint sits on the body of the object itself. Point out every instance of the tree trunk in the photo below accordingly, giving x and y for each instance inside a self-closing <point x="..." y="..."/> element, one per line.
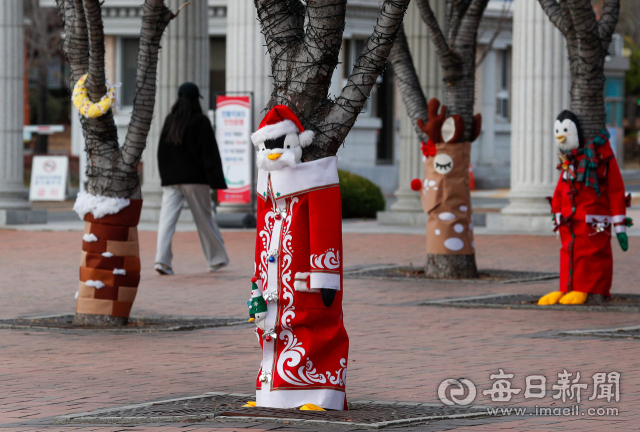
<point x="588" y="40"/>
<point x="458" y="60"/>
<point x="304" y="43"/>
<point x="587" y="100"/>
<point x="112" y="171"/>
<point x="451" y="266"/>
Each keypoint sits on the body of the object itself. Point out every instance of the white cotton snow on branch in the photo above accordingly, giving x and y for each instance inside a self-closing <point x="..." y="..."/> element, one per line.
<point x="89" y="238"/>
<point x="94" y="284"/>
<point x="119" y="272"/>
<point x="107" y="254"/>
<point x="98" y="205"/>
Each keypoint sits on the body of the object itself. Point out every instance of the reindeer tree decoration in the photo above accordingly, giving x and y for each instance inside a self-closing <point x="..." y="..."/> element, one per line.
<point x="110" y="264"/>
<point x="445" y="192"/>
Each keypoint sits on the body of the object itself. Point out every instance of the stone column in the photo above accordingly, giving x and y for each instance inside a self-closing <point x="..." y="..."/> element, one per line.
<point x="540" y="91"/>
<point x="184" y="57"/>
<point x="248" y="65"/>
<point x="14" y="206"/>
<point x="407" y="210"/>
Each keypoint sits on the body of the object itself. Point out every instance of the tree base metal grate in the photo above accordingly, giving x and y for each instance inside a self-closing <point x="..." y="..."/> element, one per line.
<point x="610" y="333"/>
<point x="396" y="272"/>
<point x="616" y="303"/>
<point x="217" y="407"/>
<point x="135" y="325"/>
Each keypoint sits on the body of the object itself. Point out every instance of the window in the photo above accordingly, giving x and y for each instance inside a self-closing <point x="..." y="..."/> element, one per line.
<point x="353" y="48"/>
<point x="129" y="62"/>
<point x="503" y="78"/>
<point x="217" y="68"/>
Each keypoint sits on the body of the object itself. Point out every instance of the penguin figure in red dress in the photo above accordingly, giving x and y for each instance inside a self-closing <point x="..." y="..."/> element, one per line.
<point x="588" y="205"/>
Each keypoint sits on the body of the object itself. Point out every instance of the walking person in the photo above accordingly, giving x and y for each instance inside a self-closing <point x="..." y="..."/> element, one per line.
<point x="190" y="166"/>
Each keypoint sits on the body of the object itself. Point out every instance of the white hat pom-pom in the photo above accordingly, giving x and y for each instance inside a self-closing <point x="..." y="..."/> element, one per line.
<point x="306" y="138"/>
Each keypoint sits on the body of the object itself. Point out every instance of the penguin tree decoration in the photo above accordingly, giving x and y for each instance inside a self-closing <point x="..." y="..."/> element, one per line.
<point x="296" y="300"/>
<point x="588" y="204"/>
<point x="568" y="132"/>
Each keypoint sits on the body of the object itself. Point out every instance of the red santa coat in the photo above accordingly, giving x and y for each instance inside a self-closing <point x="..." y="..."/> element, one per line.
<point x="299" y="251"/>
<point x="585" y="222"/>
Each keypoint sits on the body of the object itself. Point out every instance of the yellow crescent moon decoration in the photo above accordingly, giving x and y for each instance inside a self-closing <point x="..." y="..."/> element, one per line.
<point x="84" y="105"/>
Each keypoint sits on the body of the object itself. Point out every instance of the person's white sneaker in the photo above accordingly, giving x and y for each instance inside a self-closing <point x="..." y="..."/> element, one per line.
<point x="162" y="269"/>
<point x="216" y="267"/>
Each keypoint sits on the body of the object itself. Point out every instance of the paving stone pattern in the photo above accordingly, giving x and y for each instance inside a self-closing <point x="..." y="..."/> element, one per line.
<point x="399" y="351"/>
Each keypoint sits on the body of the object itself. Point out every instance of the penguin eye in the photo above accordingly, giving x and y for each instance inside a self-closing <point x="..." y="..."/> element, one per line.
<point x="565" y="129"/>
<point x="288" y="146"/>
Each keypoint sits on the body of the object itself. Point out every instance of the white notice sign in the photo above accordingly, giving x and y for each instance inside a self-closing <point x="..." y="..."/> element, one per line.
<point x="49" y="176"/>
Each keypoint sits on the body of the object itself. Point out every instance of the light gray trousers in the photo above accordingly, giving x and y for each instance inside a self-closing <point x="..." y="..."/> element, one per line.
<point x="198" y="197"/>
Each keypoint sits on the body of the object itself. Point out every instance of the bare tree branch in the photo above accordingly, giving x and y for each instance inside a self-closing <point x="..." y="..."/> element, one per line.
<point x="155" y="19"/>
<point x="76" y="41"/>
<point x="608" y="21"/>
<point x="282" y="23"/>
<point x="506" y="7"/>
<point x="554" y="12"/>
<point x="368" y="66"/>
<point x="96" y="80"/>
<point x="409" y="83"/>
<point x="442" y="46"/>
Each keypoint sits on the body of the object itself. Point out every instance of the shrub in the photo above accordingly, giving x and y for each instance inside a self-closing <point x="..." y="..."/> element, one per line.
<point x="360" y="197"/>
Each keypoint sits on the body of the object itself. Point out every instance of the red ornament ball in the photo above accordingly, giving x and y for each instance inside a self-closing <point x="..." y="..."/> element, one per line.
<point x="416" y="184"/>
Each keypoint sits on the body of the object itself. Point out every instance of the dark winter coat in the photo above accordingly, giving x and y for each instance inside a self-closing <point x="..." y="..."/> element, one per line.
<point x="196" y="160"/>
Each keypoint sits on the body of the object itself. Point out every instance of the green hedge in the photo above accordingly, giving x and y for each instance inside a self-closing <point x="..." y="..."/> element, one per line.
<point x="360" y="197"/>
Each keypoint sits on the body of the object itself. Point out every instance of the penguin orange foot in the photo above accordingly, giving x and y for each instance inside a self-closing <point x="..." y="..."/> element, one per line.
<point x="311" y="407"/>
<point x="574" y="297"/>
<point x="551" y="298"/>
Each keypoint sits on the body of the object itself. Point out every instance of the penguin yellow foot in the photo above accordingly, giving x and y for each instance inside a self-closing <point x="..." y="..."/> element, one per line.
<point x="551" y="298"/>
<point x="249" y="404"/>
<point x="311" y="407"/>
<point x="574" y="297"/>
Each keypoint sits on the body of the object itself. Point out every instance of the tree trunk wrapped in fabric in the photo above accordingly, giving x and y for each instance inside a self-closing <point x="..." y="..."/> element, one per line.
<point x="298" y="261"/>
<point x="111" y="205"/>
<point x="589" y="202"/>
<point x="455" y="43"/>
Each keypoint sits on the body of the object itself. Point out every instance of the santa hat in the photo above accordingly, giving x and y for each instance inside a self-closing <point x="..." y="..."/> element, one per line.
<point x="279" y="121"/>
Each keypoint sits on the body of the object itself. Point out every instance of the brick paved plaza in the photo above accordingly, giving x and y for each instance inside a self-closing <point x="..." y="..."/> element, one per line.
<point x="399" y="351"/>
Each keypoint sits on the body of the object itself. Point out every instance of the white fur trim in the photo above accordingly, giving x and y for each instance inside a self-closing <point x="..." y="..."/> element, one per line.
<point x="619" y="218"/>
<point x="98" y="205"/>
<point x="324" y="280"/>
<point x="94" y="284"/>
<point x="275" y="130"/>
<point x="90" y="238"/>
<point x="620" y="229"/>
<point x="306" y="138"/>
<point x="290" y="181"/>
<point x="325" y="398"/>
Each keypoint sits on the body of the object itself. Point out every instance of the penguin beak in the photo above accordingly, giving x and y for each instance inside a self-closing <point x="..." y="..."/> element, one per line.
<point x="274" y="156"/>
<point x="561" y="138"/>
